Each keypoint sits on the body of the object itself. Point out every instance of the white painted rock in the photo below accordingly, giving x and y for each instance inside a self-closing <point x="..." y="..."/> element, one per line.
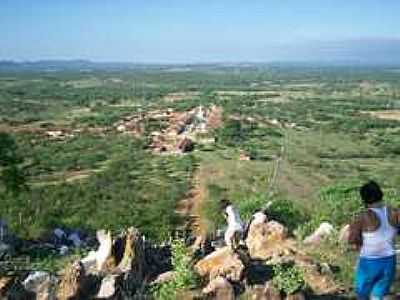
<point x="107" y="287"/>
<point x="324" y="230"/>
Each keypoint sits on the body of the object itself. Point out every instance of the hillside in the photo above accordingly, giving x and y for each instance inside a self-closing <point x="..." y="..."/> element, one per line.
<point x="157" y="148"/>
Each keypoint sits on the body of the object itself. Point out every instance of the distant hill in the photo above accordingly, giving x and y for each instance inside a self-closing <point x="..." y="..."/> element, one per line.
<point x="88" y="66"/>
<point x="66" y="65"/>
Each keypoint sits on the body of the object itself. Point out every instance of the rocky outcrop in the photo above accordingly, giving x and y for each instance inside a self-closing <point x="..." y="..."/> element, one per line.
<point x="100" y="258"/>
<point x="264" y="238"/>
<point x="5" y="284"/>
<point x="108" y="287"/>
<point x="72" y="282"/>
<point x="123" y="265"/>
<point x="122" y="261"/>
<point x="222" y="262"/>
<point x="117" y="270"/>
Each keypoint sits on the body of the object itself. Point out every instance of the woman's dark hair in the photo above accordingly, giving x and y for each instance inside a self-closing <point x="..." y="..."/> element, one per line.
<point x="371" y="192"/>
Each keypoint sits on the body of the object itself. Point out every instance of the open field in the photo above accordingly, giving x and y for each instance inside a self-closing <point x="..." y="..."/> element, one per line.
<point x="304" y="136"/>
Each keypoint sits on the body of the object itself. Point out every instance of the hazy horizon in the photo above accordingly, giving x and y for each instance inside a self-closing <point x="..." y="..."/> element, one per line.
<point x="179" y="32"/>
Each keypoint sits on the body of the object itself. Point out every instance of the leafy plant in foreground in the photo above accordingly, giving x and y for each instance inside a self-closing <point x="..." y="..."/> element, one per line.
<point x="184" y="277"/>
<point x="288" y="278"/>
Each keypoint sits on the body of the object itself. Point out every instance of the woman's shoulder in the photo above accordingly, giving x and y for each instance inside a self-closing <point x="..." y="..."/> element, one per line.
<point x="367" y="220"/>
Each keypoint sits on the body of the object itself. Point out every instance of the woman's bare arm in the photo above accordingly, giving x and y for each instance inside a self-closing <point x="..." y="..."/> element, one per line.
<point x="355" y="236"/>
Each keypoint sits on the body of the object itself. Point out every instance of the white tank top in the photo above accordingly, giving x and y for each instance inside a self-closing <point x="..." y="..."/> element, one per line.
<point x="379" y="243"/>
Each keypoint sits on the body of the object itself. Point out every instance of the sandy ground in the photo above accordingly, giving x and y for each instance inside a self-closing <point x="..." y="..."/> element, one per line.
<point x="386" y="114"/>
<point x="172" y="97"/>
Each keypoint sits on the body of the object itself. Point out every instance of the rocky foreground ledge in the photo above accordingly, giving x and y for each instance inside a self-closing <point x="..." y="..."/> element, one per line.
<point x="126" y="265"/>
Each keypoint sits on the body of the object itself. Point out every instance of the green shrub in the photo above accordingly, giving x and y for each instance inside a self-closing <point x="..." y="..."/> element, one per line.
<point x="288" y="278"/>
<point x="184" y="278"/>
<point x="232" y="134"/>
<point x="212" y="208"/>
<point x="338" y="204"/>
<point x="249" y="206"/>
<point x="287" y="212"/>
<point x="11" y="173"/>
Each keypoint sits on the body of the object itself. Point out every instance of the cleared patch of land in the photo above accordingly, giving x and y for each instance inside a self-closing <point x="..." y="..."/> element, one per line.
<point x="386" y="114"/>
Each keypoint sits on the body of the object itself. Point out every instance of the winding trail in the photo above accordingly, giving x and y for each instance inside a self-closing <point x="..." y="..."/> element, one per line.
<point x="191" y="207"/>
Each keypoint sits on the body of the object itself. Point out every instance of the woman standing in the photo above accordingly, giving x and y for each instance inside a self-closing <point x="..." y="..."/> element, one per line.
<point x="372" y="233"/>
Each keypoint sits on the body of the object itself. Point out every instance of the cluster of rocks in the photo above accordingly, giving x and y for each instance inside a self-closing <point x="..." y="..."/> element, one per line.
<point x="120" y="268"/>
<point x="250" y="272"/>
<point x="124" y="266"/>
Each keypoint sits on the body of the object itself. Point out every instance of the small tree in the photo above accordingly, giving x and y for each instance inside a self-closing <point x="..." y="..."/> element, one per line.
<point x="11" y="173"/>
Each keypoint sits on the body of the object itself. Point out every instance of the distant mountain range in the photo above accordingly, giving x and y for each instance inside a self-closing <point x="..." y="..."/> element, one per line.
<point x="65" y="65"/>
<point x="88" y="66"/>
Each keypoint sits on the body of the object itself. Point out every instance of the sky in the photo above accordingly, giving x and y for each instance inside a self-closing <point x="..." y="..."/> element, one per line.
<point x="192" y="31"/>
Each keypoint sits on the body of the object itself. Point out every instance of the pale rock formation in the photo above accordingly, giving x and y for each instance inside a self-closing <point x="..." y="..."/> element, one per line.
<point x="102" y="254"/>
<point x="71" y="284"/>
<point x="108" y="287"/>
<point x="222" y="262"/>
<point x="263" y="237"/>
<point x="324" y="230"/>
<point x="5" y="283"/>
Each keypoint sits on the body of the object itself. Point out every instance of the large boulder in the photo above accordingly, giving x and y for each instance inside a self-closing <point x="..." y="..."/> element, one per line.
<point x="5" y="284"/>
<point x="222" y="262"/>
<point x="132" y="264"/>
<point x="220" y="289"/>
<point x="72" y="282"/>
<point x="100" y="258"/>
<point x="263" y="237"/>
<point x="122" y="259"/>
<point x="108" y="287"/>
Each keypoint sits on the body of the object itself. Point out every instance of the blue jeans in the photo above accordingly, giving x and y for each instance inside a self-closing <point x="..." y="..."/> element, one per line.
<point x="374" y="276"/>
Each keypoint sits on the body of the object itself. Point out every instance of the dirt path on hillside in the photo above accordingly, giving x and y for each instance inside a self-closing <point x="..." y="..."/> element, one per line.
<point x="192" y="207"/>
